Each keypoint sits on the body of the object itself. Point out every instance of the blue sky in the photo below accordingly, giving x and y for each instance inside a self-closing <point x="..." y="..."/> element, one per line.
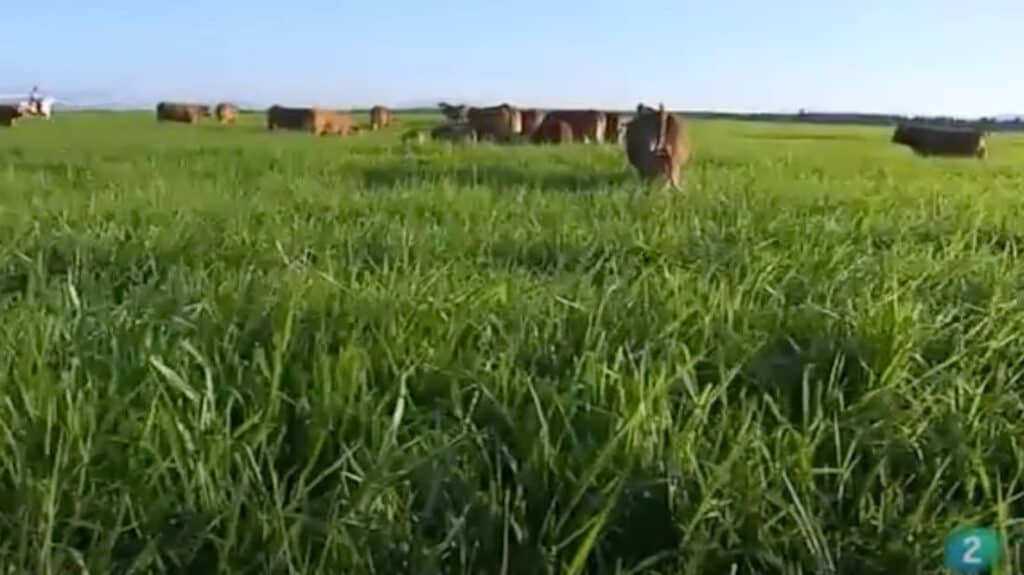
<point x="960" y="57"/>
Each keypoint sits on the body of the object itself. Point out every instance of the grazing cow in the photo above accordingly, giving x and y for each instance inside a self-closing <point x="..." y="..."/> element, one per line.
<point x="553" y="131"/>
<point x="380" y="117"/>
<point x="657" y="144"/>
<point x="941" y="140"/>
<point x="315" y="120"/>
<point x="500" y="123"/>
<point x="531" y="120"/>
<point x="414" y="137"/>
<point x="9" y="115"/>
<point x="612" y="127"/>
<point x="179" y="112"/>
<point x="457" y="132"/>
<point x="227" y="113"/>
<point x="330" y="122"/>
<point x="587" y="125"/>
<point x="458" y="113"/>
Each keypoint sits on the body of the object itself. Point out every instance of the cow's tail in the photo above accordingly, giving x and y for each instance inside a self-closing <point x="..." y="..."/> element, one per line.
<point x="662" y="129"/>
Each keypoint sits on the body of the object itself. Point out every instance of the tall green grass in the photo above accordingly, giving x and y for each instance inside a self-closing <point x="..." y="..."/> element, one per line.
<point x="228" y="351"/>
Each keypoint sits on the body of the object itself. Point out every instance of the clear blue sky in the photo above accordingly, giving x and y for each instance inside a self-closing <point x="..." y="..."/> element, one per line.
<point x="960" y="57"/>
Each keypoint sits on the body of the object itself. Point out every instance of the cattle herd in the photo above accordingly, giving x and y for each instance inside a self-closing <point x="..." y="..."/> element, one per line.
<point x="656" y="141"/>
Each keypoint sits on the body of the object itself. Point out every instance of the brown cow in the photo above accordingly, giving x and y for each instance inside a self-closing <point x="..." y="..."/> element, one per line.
<point x="380" y="117"/>
<point x="181" y="112"/>
<point x="941" y="140"/>
<point x="657" y="144"/>
<point x="457" y="132"/>
<point x="587" y="125"/>
<point x="501" y="123"/>
<point x="315" y="120"/>
<point x="458" y="113"/>
<point x="9" y="115"/>
<point x="531" y="120"/>
<point x="553" y="131"/>
<point x="612" y="128"/>
<point x="227" y="113"/>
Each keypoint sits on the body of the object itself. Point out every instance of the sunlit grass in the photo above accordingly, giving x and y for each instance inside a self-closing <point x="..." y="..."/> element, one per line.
<point x="229" y="351"/>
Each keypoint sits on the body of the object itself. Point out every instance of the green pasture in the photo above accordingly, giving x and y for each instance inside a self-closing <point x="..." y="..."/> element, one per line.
<point x="224" y="350"/>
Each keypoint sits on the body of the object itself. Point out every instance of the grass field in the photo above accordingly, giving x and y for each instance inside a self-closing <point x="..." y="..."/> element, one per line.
<point x="228" y="351"/>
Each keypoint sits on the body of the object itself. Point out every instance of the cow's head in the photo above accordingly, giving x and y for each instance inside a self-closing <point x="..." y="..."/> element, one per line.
<point x="641" y="109"/>
<point x="901" y="135"/>
<point x="454" y="113"/>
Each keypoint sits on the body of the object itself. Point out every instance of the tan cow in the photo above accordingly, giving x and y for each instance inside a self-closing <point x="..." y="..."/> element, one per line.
<point x="500" y="123"/>
<point x="552" y="131"/>
<point x="457" y="132"/>
<point x="657" y="145"/>
<point x="531" y="120"/>
<point x="941" y="140"/>
<point x="315" y="120"/>
<point x="587" y="125"/>
<point x="9" y="115"/>
<point x="226" y="112"/>
<point x="380" y="117"/>
<point x="181" y="112"/>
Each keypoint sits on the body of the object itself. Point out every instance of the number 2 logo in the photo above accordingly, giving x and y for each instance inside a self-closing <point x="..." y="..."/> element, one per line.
<point x="973" y="545"/>
<point x="972" y="551"/>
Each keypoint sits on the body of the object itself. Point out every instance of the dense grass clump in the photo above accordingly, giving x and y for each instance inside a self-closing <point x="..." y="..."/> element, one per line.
<point x="228" y="351"/>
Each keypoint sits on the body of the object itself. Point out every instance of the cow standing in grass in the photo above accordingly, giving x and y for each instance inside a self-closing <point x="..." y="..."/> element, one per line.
<point x="226" y="113"/>
<point x="587" y="125"/>
<point x="530" y="120"/>
<point x="9" y="115"/>
<point x="180" y="112"/>
<point x="380" y="117"/>
<point x="941" y="140"/>
<point x="501" y="123"/>
<point x="552" y="131"/>
<point x="657" y="145"/>
<point x="612" y="127"/>
<point x="314" y="120"/>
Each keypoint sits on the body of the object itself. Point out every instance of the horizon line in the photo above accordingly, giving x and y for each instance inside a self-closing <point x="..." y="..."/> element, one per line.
<point x="114" y="107"/>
